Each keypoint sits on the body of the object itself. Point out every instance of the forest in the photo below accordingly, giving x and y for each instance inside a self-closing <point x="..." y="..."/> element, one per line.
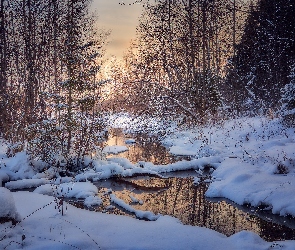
<point x="203" y="102"/>
<point x="201" y="60"/>
<point x="49" y="85"/>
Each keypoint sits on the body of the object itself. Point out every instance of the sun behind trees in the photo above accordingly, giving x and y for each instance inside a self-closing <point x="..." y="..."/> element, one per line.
<point x="49" y="85"/>
<point x="206" y="58"/>
<point x="178" y="62"/>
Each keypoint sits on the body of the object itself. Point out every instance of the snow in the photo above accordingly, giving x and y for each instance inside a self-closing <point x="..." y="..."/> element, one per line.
<point x="139" y="213"/>
<point x="115" y="149"/>
<point x="71" y="189"/>
<point x="3" y="177"/>
<point x="196" y="181"/>
<point x="135" y="200"/>
<point x="140" y="124"/>
<point x="252" y="159"/>
<point x="245" y="183"/>
<point x="82" y="229"/>
<point x="7" y="208"/>
<point x="125" y="163"/>
<point x="197" y="164"/>
<point x="25" y="183"/>
<point x="18" y="167"/>
<point x="92" y="201"/>
<point x="185" y="147"/>
<point x="130" y="141"/>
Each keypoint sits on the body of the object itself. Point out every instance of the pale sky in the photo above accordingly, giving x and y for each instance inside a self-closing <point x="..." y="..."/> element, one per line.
<point x="121" y="20"/>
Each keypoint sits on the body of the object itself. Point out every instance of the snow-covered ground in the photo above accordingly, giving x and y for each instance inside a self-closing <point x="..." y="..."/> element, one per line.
<point x="46" y="228"/>
<point x="256" y="161"/>
<point x="253" y="161"/>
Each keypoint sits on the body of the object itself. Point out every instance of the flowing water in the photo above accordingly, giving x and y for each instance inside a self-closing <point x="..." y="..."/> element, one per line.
<point x="177" y="196"/>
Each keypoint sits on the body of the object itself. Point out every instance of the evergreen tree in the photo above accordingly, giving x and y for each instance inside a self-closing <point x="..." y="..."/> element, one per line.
<point x="3" y="63"/>
<point x="267" y="49"/>
<point x="288" y="100"/>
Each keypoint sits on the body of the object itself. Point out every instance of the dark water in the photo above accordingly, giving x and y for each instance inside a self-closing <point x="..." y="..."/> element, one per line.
<point x="176" y="195"/>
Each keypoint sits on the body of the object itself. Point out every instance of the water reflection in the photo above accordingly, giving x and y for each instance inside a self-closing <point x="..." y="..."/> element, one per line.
<point x="156" y="153"/>
<point x="178" y="197"/>
<point x="186" y="202"/>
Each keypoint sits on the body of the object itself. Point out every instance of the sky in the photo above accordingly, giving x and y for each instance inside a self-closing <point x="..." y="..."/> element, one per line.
<point x="121" y="20"/>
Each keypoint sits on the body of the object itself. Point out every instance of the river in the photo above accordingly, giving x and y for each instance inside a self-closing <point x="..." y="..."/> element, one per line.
<point x="177" y="196"/>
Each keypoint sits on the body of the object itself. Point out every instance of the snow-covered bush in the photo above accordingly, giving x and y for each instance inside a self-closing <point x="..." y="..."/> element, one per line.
<point x="7" y="208"/>
<point x="45" y="141"/>
<point x="48" y="141"/>
<point x="14" y="148"/>
<point x="72" y="128"/>
<point x="288" y="100"/>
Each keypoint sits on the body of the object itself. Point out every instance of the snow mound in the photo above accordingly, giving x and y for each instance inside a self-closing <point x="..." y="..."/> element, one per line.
<point x="197" y="164"/>
<point x="89" y="175"/>
<point x="135" y="200"/>
<point x="7" y="208"/>
<point x="141" y="124"/>
<point x="18" y="167"/>
<point x="107" y="169"/>
<point x="72" y="189"/>
<point x="138" y="213"/>
<point x="244" y="183"/>
<point x="25" y="183"/>
<point x="3" y="177"/>
<point x="196" y="181"/>
<point x="92" y="201"/>
<point x="125" y="163"/>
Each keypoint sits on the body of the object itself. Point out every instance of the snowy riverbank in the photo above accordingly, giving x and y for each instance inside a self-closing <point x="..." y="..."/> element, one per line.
<point x="254" y="158"/>
<point x="82" y="229"/>
<point x="253" y="161"/>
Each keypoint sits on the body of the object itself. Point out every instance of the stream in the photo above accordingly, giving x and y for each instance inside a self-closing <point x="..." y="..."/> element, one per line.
<point x="177" y="196"/>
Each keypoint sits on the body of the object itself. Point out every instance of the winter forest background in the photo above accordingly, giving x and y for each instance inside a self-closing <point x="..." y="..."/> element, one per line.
<point x="191" y="132"/>
<point x="202" y="61"/>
